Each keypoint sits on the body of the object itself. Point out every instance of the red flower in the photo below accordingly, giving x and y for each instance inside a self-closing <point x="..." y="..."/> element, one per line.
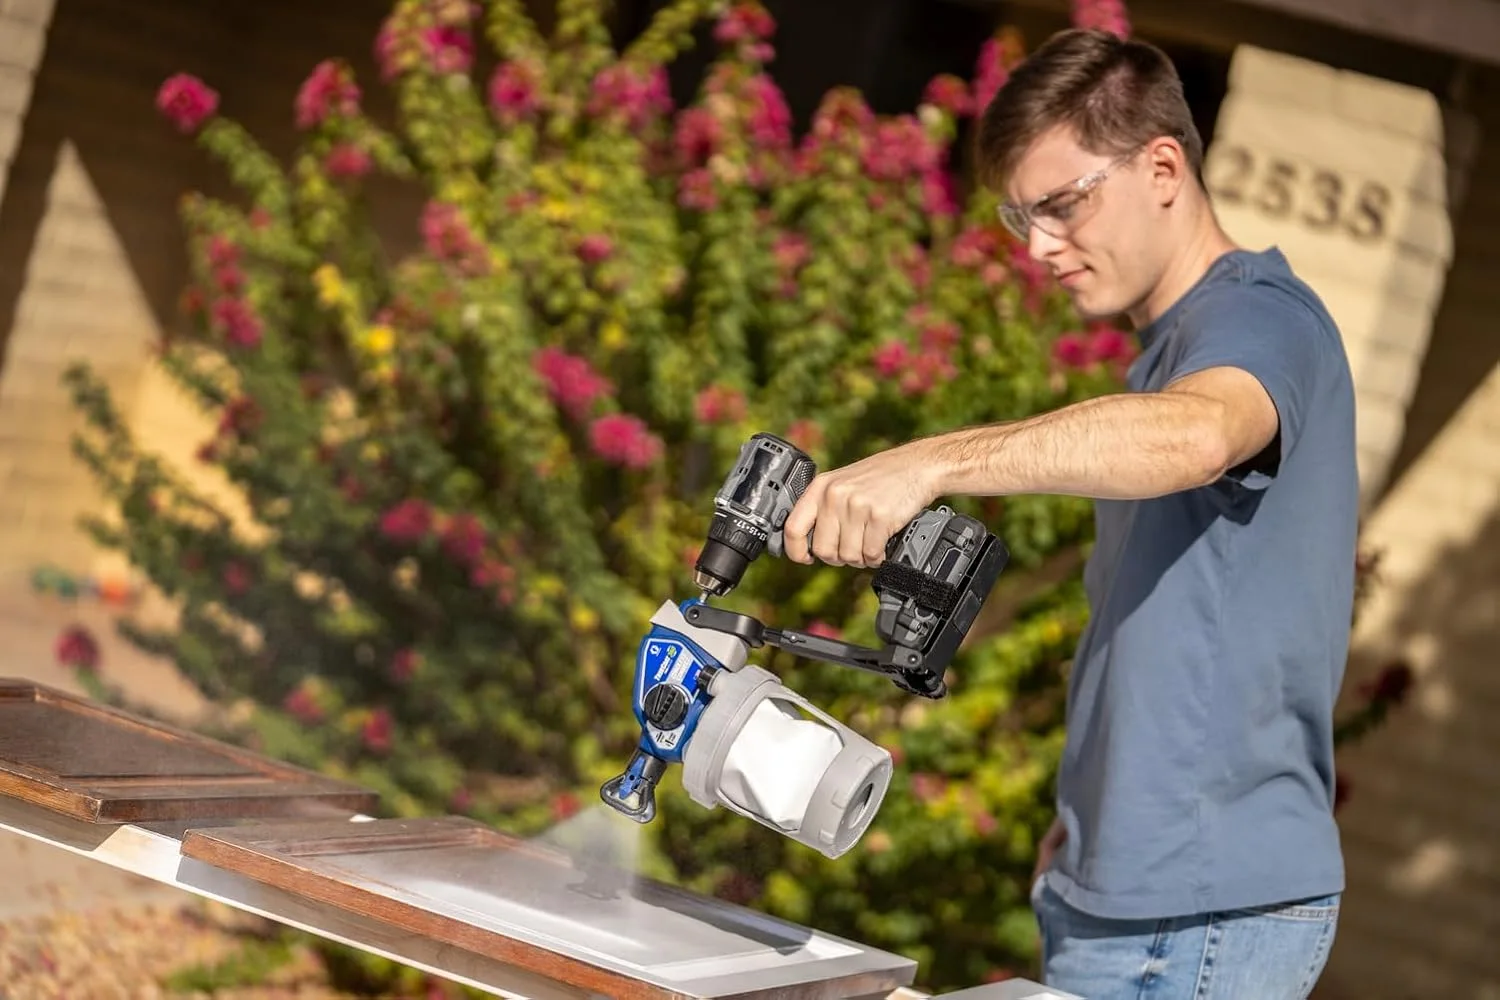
<point x="376" y="732"/>
<point x="187" y="102"/>
<point x="822" y="628"/>
<point x="302" y="705"/>
<point x="719" y="404"/>
<point x="409" y="521"/>
<point x="329" y="90"/>
<point x="346" y="160"/>
<point x="77" y="648"/>
<point x="1391" y="685"/>
<point x="564" y="806"/>
<point x="449" y="49"/>
<point x="1071" y="350"/>
<point x="695" y="190"/>
<point x="237" y="321"/>
<point x="745" y="22"/>
<point x="624" y="440"/>
<point x="1107" y="15"/>
<point x="404" y="665"/>
<point x="449" y="238"/>
<point x="464" y="538"/>
<point x="949" y="93"/>
<point x="770" y="120"/>
<point x="236" y="578"/>
<point x="513" y="91"/>
<point x="928" y="787"/>
<point x="805" y="434"/>
<point x="594" y="248"/>
<point x="891" y="358"/>
<point x="242" y="416"/>
<point x="622" y="90"/>
<point x="571" y="381"/>
<point x="697" y="135"/>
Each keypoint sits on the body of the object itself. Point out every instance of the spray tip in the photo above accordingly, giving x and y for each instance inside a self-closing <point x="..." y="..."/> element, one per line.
<point x="633" y="792"/>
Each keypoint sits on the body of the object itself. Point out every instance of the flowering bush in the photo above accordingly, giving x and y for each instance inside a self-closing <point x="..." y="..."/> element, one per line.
<point x="471" y="474"/>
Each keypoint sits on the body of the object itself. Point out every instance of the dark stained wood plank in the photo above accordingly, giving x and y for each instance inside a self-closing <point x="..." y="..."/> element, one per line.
<point x="583" y="923"/>
<point x="104" y="765"/>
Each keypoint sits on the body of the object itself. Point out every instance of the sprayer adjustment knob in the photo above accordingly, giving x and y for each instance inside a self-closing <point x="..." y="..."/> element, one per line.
<point x="666" y="705"/>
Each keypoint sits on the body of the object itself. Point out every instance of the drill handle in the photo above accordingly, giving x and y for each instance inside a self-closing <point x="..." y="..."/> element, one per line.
<point x="906" y="667"/>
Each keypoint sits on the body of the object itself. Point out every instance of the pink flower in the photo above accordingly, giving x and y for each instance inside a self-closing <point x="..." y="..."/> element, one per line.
<point x="237" y="321"/>
<point x="1071" y="350"/>
<point x="1107" y="15"/>
<point x="571" y="381"/>
<point x="790" y="251"/>
<point x="1109" y="344"/>
<point x="719" y="404"/>
<point x="891" y="357"/>
<point x="948" y="92"/>
<point x="221" y="251"/>
<point x="621" y="90"/>
<point x="464" y="538"/>
<point x="449" y="238"/>
<point x="697" y="135"/>
<point x="805" y="434"/>
<point x="695" y="190"/>
<point x="996" y="58"/>
<point x="77" y="648"/>
<point x="940" y="336"/>
<point x="449" y="49"/>
<point x="594" y="248"/>
<point x="974" y="247"/>
<point x="899" y="149"/>
<point x="328" y="90"/>
<point x="187" y="102"/>
<point x="624" y="440"/>
<point x="346" y="160"/>
<point x="926" y="370"/>
<point x="404" y="665"/>
<point x="939" y="193"/>
<point x="407" y="522"/>
<point x="387" y="54"/>
<point x="770" y="119"/>
<point x="513" y="91"/>
<point x="745" y="22"/>
<point x="302" y="704"/>
<point x="823" y="629"/>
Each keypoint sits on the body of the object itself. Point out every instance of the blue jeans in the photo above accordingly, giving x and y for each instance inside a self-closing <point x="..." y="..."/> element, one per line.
<point x="1265" y="953"/>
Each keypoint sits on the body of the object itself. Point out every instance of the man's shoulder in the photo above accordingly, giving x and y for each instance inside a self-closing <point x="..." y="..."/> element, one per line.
<point x="1261" y="284"/>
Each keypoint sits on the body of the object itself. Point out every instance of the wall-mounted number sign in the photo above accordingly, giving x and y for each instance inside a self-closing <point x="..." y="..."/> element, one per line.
<point x="1281" y="186"/>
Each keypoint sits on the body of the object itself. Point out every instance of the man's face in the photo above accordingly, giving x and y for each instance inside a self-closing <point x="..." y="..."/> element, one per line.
<point x="1091" y="221"/>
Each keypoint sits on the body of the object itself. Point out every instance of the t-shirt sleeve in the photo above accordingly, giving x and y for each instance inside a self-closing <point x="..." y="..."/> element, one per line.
<point x="1275" y="338"/>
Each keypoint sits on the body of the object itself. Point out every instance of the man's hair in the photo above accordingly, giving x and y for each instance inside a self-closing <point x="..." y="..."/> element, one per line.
<point x="1115" y="95"/>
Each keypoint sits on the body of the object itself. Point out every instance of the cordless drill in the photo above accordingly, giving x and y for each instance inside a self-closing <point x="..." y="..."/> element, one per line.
<point x="936" y="575"/>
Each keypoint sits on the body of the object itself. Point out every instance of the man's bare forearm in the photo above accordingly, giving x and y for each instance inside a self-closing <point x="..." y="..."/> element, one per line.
<point x="1125" y="446"/>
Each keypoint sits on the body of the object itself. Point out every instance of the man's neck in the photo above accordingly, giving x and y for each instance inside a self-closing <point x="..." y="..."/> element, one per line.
<point x="1203" y="243"/>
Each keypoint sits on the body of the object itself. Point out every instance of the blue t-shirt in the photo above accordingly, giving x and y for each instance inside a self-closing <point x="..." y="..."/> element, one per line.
<point x="1198" y="773"/>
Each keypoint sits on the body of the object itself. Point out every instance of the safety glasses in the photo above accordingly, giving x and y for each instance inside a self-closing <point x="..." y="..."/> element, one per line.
<point x="1062" y="210"/>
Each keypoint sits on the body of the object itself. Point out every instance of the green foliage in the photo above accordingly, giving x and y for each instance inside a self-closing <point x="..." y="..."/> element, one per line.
<point x="468" y="475"/>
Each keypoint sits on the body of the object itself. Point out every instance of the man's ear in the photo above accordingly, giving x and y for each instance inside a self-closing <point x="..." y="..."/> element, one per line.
<point x="1168" y="163"/>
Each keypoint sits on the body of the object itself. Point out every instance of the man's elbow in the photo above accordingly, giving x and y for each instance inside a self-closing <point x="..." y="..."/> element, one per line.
<point x="1209" y="451"/>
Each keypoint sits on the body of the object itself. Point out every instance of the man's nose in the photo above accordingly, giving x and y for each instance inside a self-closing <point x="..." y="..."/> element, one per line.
<point x="1041" y="244"/>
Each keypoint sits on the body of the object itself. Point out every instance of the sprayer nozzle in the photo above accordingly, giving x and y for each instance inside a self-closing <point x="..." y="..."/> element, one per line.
<point x="633" y="793"/>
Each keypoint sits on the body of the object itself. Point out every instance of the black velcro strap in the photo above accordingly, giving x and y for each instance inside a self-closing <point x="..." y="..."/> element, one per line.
<point x="909" y="582"/>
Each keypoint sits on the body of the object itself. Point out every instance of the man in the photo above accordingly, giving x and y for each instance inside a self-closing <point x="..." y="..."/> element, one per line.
<point x="1194" y="854"/>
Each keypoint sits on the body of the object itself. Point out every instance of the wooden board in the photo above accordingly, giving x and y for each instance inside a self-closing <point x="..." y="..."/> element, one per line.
<point x="97" y="763"/>
<point x="586" y="924"/>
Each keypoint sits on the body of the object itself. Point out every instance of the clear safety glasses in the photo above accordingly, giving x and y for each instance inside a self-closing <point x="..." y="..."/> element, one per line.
<point x="1061" y="211"/>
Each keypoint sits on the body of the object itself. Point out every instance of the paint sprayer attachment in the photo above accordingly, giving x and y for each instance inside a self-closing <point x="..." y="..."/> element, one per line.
<point x="747" y="742"/>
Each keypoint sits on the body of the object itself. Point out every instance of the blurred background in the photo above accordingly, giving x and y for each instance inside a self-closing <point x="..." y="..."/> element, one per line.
<point x="1363" y="138"/>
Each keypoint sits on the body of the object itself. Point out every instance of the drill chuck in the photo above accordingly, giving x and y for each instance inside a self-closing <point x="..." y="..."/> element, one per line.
<point x="768" y="479"/>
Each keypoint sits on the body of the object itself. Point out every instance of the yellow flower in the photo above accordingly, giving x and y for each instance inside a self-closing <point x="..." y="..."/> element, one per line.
<point x="556" y="210"/>
<point x="612" y="335"/>
<point x="583" y="619"/>
<point x="1052" y="632"/>
<point x="380" y="339"/>
<point x="330" y="284"/>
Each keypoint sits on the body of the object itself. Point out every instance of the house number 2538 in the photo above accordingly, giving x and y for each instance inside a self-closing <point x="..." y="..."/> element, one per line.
<point x="1321" y="199"/>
